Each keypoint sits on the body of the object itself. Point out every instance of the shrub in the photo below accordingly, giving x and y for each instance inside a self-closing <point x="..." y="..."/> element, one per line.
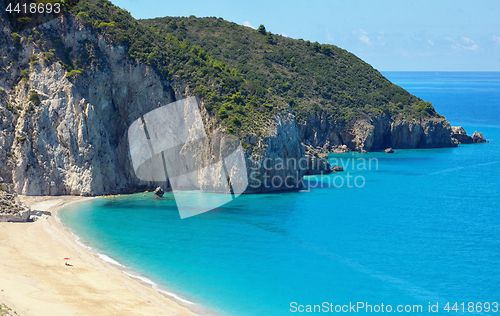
<point x="316" y="46"/>
<point x="105" y="25"/>
<point x="49" y="56"/>
<point x="25" y="74"/>
<point x="269" y="38"/>
<point x="16" y="38"/>
<point x="240" y="109"/>
<point x="236" y="121"/>
<point x="35" y="98"/>
<point x="426" y="107"/>
<point x="326" y="49"/>
<point x="223" y="113"/>
<point x="237" y="98"/>
<point x="82" y="15"/>
<point x="73" y="73"/>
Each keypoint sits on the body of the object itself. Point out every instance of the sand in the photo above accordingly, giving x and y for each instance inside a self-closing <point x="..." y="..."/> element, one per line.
<point x="35" y="281"/>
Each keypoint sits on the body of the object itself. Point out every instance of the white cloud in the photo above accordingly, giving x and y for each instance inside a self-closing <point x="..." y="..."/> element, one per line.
<point x="496" y="39"/>
<point x="364" y="38"/>
<point x="246" y="23"/>
<point x="329" y="36"/>
<point x="469" y="44"/>
<point x="465" y="44"/>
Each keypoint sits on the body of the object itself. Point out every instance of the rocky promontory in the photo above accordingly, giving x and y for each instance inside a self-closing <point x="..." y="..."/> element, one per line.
<point x="374" y="133"/>
<point x="460" y="135"/>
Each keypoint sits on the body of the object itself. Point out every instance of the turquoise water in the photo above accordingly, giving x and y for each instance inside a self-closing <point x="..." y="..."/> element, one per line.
<point x="424" y="226"/>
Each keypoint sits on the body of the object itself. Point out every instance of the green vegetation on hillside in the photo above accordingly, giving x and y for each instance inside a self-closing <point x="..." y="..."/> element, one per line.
<point x="310" y="77"/>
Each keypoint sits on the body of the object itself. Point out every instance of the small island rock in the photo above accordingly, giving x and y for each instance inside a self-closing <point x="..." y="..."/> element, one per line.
<point x="458" y="133"/>
<point x="478" y="137"/>
<point x="337" y="168"/>
<point x="159" y="192"/>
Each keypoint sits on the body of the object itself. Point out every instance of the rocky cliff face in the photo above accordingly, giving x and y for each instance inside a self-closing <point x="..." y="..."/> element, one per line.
<point x="75" y="140"/>
<point x="63" y="134"/>
<point x="371" y="133"/>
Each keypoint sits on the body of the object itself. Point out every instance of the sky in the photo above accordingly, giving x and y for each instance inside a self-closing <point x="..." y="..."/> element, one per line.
<point x="391" y="35"/>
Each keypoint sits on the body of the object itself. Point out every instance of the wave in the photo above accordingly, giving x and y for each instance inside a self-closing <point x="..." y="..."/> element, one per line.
<point x="156" y="287"/>
<point x="110" y="261"/>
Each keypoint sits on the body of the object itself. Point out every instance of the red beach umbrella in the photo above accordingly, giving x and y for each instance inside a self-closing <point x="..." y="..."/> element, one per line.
<point x="66" y="259"/>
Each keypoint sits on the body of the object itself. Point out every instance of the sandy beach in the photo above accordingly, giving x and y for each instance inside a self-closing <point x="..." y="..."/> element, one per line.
<point x="35" y="281"/>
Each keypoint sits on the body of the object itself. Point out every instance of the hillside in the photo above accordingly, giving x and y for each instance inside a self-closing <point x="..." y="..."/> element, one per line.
<point x="70" y="88"/>
<point x="310" y="77"/>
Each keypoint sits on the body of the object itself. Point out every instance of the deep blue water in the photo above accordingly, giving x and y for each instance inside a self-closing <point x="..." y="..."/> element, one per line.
<point x="424" y="227"/>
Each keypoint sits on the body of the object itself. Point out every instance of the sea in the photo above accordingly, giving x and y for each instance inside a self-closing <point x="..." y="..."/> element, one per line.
<point x="416" y="231"/>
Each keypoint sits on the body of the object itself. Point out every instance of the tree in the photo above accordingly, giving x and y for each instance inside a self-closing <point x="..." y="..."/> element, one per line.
<point x="269" y="38"/>
<point x="423" y="106"/>
<point x="262" y="29"/>
<point x="316" y="46"/>
<point x="326" y="49"/>
<point x="223" y="113"/>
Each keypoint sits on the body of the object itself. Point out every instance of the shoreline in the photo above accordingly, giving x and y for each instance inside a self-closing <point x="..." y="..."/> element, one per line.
<point x="144" y="280"/>
<point x="35" y="281"/>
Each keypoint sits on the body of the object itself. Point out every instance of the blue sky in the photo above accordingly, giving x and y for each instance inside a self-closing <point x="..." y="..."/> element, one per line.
<point x="391" y="35"/>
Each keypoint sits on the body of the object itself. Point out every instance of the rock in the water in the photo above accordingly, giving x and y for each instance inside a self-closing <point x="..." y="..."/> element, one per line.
<point x="362" y="151"/>
<point x="389" y="151"/>
<point x="317" y="166"/>
<point x="337" y="168"/>
<point x="159" y="192"/>
<point x="458" y="133"/>
<point x="478" y="137"/>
